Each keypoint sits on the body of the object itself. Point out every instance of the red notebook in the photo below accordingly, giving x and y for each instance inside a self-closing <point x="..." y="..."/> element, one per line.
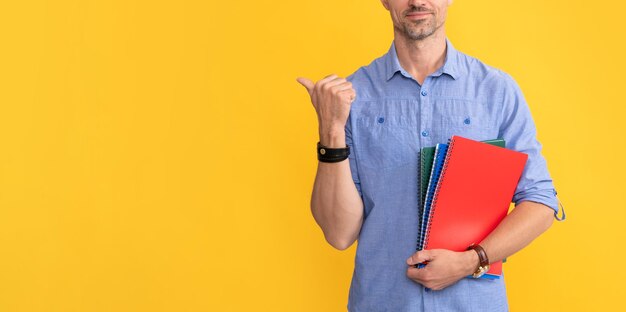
<point x="473" y="195"/>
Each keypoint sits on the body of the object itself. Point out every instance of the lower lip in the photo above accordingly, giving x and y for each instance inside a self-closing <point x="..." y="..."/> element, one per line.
<point x="417" y="16"/>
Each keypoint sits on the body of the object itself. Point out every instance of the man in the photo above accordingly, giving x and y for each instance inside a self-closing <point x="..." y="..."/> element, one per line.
<point x="420" y="93"/>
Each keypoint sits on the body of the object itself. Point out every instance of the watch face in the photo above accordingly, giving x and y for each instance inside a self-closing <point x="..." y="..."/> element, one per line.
<point x="481" y="271"/>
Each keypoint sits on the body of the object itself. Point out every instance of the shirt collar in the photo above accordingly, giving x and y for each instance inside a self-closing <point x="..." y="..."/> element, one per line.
<point x="450" y="65"/>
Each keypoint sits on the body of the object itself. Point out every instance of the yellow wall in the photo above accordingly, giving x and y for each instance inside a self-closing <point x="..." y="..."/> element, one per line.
<point x="159" y="156"/>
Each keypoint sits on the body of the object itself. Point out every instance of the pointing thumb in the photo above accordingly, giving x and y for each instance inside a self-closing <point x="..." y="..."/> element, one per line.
<point x="308" y="84"/>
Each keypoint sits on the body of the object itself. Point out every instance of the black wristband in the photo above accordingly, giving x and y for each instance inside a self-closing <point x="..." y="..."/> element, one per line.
<point x="332" y="155"/>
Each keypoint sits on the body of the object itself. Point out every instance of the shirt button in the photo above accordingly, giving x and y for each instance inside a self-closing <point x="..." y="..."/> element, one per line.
<point x="425" y="133"/>
<point x="381" y="120"/>
<point x="466" y="121"/>
<point x="424" y="93"/>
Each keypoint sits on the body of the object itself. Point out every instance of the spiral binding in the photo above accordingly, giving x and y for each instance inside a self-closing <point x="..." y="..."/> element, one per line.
<point x="433" y="204"/>
<point x="434" y="173"/>
<point x="422" y="200"/>
<point x="420" y="241"/>
<point x="420" y="210"/>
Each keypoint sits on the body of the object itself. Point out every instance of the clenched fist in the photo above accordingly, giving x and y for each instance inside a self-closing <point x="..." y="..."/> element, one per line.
<point x="331" y="97"/>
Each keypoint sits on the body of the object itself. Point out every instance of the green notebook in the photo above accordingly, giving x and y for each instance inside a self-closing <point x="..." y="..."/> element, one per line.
<point x="427" y="155"/>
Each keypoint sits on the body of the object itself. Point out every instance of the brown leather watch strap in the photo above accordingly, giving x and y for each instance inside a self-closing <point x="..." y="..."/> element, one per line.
<point x="482" y="255"/>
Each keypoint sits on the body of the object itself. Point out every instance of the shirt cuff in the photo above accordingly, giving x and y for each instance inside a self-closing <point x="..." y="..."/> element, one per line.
<point x="545" y="197"/>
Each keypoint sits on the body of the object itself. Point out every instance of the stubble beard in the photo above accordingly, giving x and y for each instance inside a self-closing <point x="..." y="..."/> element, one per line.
<point x="413" y="31"/>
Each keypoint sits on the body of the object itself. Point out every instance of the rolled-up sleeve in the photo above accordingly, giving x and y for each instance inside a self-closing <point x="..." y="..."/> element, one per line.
<point x="518" y="130"/>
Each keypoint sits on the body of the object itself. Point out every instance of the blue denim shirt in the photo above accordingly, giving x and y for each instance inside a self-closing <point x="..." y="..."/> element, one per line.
<point x="394" y="116"/>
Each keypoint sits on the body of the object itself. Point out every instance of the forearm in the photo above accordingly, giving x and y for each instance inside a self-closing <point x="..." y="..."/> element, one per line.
<point x="526" y="222"/>
<point x="335" y="202"/>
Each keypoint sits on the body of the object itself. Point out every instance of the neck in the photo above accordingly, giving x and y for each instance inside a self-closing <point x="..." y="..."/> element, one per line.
<point x="421" y="58"/>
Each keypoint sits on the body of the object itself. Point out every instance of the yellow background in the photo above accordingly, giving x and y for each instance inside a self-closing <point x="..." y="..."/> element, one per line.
<point x="159" y="156"/>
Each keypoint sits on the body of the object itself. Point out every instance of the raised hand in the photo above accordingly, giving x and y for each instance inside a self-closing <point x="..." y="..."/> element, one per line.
<point x="331" y="97"/>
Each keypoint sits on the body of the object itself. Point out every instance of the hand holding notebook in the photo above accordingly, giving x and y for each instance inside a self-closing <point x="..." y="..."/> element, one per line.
<point x="471" y="195"/>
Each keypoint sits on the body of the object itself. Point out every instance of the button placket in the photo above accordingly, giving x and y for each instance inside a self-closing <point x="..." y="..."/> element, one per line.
<point x="426" y="112"/>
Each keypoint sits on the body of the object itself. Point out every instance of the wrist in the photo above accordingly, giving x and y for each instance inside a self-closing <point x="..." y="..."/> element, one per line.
<point x="333" y="138"/>
<point x="472" y="261"/>
<point x="483" y="260"/>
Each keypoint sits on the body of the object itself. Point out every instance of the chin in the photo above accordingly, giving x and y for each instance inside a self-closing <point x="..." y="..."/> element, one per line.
<point x="419" y="34"/>
<point x="419" y="27"/>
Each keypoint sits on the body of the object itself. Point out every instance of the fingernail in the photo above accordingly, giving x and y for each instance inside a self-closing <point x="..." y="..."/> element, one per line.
<point x="409" y="260"/>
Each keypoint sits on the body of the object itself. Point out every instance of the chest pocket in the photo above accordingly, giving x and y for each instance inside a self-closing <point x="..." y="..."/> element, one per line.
<point x="385" y="142"/>
<point x="468" y="119"/>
